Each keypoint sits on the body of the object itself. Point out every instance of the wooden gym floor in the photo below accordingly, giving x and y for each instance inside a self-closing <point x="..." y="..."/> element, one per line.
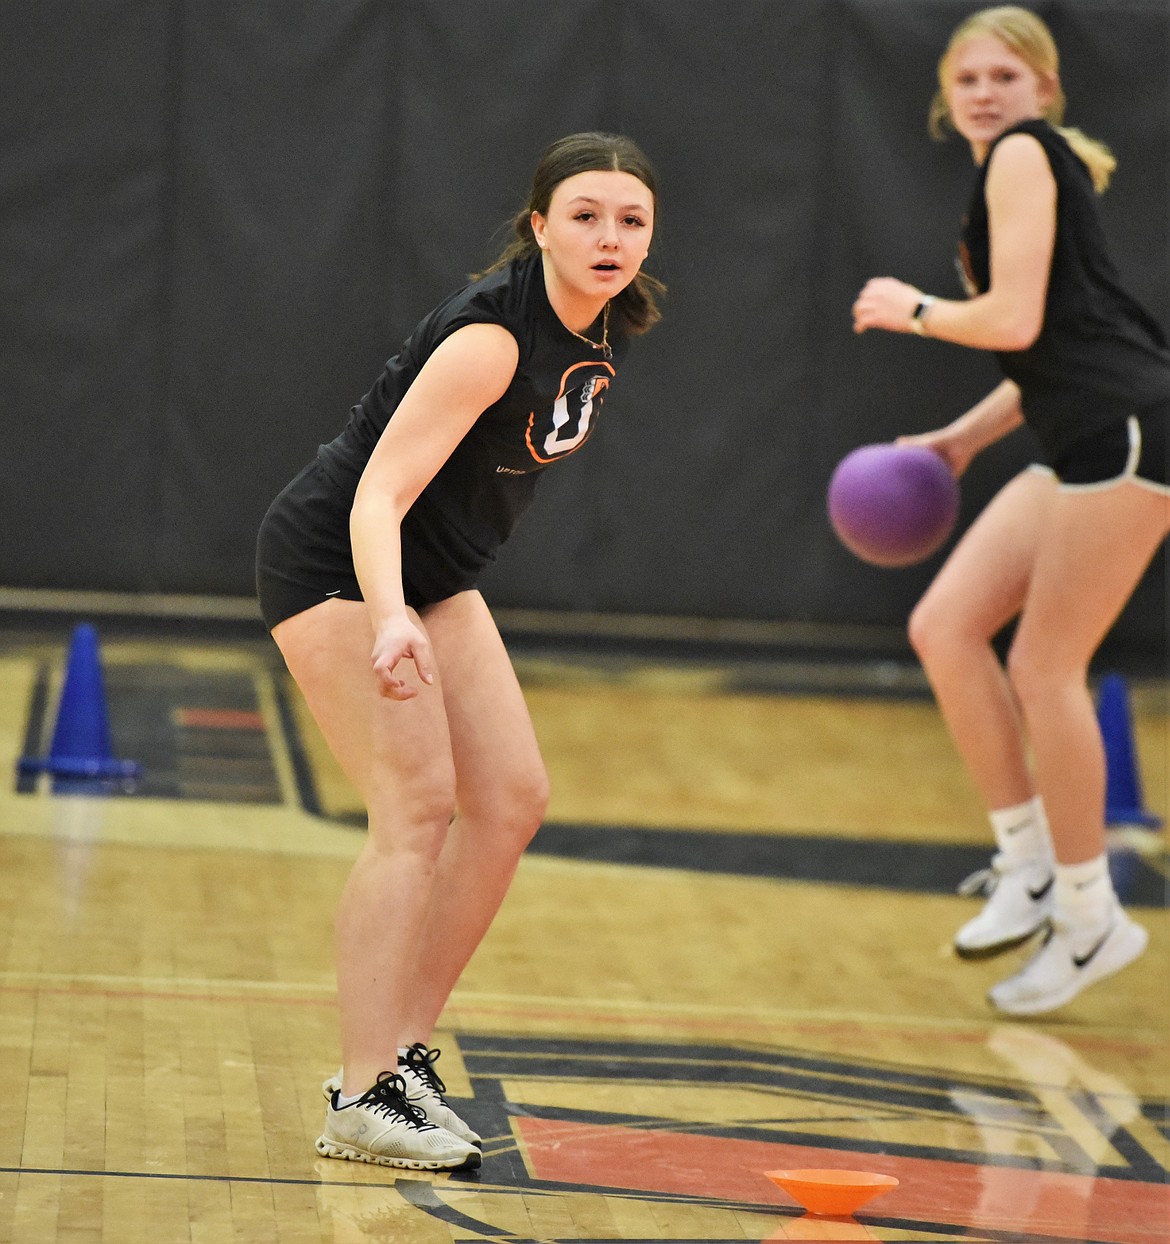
<point x="727" y="953"/>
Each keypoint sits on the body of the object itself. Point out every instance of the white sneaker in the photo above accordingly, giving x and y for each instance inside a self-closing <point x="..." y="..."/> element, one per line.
<point x="424" y="1089"/>
<point x="1019" y="902"/>
<point x="384" y="1128"/>
<point x="1063" y="966"/>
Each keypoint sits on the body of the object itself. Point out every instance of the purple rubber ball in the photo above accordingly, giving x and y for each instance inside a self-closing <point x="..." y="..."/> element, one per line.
<point x="893" y="505"/>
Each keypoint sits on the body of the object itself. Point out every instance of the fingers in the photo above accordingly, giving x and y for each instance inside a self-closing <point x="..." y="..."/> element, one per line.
<point x="866" y="305"/>
<point x="391" y="683"/>
<point x="420" y="654"/>
<point x="884" y="302"/>
<point x="393" y="688"/>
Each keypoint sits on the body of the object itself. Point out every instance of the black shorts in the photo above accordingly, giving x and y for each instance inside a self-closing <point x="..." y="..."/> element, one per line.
<point x="1137" y="449"/>
<point x="303" y="553"/>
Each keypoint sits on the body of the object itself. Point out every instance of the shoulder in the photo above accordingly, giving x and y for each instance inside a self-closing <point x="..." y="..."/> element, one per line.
<point x="479" y="346"/>
<point x="1028" y="143"/>
<point x="507" y="296"/>
<point x="1020" y="161"/>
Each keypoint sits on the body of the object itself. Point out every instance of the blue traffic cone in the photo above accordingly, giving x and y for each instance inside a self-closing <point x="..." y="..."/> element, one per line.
<point x="80" y="750"/>
<point x="1123" y="792"/>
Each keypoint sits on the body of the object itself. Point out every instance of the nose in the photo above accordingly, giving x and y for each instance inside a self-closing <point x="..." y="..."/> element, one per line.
<point x="610" y="237"/>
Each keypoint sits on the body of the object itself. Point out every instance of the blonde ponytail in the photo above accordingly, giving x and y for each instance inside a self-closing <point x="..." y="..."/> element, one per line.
<point x="1095" y="155"/>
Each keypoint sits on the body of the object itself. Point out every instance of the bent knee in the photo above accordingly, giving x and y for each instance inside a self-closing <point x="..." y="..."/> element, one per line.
<point x="413" y="817"/>
<point x="515" y="801"/>
<point x="1036" y="677"/>
<point x="920" y="629"/>
<point x="931" y="630"/>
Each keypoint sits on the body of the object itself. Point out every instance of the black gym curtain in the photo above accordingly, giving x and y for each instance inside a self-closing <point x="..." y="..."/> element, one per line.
<point x="218" y="220"/>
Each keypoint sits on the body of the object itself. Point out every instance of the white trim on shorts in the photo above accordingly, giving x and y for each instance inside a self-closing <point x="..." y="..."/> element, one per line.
<point x="1128" y="472"/>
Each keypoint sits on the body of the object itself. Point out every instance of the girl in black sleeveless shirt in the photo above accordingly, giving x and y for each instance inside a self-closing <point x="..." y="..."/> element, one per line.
<point x="1061" y="547"/>
<point x="368" y="561"/>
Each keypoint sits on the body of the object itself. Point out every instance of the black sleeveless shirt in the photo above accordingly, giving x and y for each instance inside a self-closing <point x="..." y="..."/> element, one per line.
<point x="548" y="411"/>
<point x="1100" y="355"/>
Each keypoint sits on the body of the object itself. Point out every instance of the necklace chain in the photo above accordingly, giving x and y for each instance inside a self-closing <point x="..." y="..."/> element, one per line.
<point x="603" y="344"/>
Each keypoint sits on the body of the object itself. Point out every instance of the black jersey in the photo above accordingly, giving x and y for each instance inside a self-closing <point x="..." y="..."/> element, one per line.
<point x="1100" y="355"/>
<point x="549" y="411"/>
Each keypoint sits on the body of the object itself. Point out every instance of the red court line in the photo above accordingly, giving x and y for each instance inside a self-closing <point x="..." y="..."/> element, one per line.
<point x="1063" y="1206"/>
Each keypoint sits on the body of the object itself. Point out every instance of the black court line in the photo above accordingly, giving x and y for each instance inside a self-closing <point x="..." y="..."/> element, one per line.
<point x="830" y="859"/>
<point x="434" y="1207"/>
<point x="302" y="768"/>
<point x="34" y="731"/>
<point x="930" y="868"/>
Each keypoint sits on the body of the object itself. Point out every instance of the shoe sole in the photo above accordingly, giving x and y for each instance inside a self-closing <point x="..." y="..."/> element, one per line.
<point x="975" y="953"/>
<point x="1101" y="969"/>
<point x="334" y="1084"/>
<point x="331" y="1149"/>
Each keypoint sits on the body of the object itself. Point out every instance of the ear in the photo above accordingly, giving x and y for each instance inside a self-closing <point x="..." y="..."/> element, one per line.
<point x="537" y="222"/>
<point x="1049" y="89"/>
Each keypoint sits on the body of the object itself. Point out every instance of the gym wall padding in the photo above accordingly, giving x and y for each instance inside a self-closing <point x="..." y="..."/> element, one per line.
<point x="218" y="220"/>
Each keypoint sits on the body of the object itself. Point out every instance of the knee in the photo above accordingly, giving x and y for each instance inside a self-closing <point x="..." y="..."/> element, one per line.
<point x="514" y="803"/>
<point x="413" y="819"/>
<point x="524" y="803"/>
<point x="931" y="631"/>
<point x="920" y="630"/>
<point x="945" y="634"/>
<point x="1034" y="677"/>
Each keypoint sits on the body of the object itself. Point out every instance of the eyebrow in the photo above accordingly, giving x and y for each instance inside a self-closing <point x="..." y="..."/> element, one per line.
<point x="629" y="207"/>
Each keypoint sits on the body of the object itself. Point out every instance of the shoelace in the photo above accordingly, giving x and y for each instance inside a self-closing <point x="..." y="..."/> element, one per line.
<point x="421" y="1061"/>
<point x="983" y="880"/>
<point x="388" y="1097"/>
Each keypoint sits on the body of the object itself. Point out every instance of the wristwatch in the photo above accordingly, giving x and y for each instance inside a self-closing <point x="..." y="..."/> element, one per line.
<point x="918" y="319"/>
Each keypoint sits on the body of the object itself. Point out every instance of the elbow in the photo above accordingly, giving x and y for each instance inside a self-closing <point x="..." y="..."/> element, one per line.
<point x="377" y="504"/>
<point x="1021" y="334"/>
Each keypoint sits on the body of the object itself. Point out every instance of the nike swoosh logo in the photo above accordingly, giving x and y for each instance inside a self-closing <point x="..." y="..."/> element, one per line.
<point x="1081" y="961"/>
<point x="1015" y="829"/>
<point x="1037" y="895"/>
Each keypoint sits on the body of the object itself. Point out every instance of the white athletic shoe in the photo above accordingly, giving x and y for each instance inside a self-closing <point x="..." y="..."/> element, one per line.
<point x="384" y="1128"/>
<point x="1019" y="902"/>
<point x="424" y="1089"/>
<point x="1064" y="965"/>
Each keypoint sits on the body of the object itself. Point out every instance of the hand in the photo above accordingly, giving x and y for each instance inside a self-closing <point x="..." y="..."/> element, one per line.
<point x="950" y="445"/>
<point x="885" y="303"/>
<point x="397" y="639"/>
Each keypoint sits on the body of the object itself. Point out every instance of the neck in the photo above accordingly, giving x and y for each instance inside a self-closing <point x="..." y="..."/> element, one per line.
<point x="575" y="311"/>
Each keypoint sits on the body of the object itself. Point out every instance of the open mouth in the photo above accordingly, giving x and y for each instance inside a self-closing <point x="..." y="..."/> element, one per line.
<point x="605" y="266"/>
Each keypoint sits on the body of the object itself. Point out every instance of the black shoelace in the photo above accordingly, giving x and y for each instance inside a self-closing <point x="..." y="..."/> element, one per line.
<point x="422" y="1062"/>
<point x="388" y="1097"/>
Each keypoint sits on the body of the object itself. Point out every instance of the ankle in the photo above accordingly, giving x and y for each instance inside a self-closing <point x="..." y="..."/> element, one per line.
<point x="1083" y="895"/>
<point x="1021" y="833"/>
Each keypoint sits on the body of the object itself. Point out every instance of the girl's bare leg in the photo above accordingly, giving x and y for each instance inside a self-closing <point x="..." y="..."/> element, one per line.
<point x="978" y="591"/>
<point x="1096" y="546"/>
<point x="398" y="754"/>
<point x="501" y="793"/>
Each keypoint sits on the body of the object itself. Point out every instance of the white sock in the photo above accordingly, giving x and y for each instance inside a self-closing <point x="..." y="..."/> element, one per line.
<point x="1083" y="895"/>
<point x="342" y="1100"/>
<point x="1021" y="832"/>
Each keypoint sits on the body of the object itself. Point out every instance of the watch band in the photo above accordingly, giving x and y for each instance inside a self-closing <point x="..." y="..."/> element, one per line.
<point x="918" y="319"/>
